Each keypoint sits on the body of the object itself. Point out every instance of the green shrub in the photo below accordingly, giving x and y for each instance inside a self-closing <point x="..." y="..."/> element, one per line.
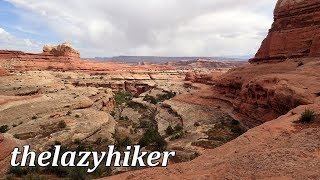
<point x="178" y="128"/>
<point x="122" y="97"/>
<point x="308" y="116"/>
<point x="134" y="105"/>
<point x="166" y="96"/>
<point x="98" y="141"/>
<point x="145" y="124"/>
<point x="152" y="137"/>
<point x="77" y="141"/>
<point x="150" y="99"/>
<point x="62" y="124"/>
<point x="169" y="131"/>
<point x="4" y="128"/>
<point x="122" y="143"/>
<point x="16" y="136"/>
<point x="18" y="171"/>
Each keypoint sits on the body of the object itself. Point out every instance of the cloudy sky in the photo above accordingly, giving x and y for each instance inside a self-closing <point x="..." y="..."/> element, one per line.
<point x="137" y="27"/>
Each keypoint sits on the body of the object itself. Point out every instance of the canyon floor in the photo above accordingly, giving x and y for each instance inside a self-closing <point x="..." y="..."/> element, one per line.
<point x="90" y="109"/>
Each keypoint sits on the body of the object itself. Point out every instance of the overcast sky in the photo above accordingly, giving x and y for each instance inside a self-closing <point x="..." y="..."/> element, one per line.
<point x="137" y="27"/>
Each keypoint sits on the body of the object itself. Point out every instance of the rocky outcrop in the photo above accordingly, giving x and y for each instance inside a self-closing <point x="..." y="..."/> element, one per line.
<point x="63" y="53"/>
<point x="64" y="49"/>
<point x="294" y="33"/>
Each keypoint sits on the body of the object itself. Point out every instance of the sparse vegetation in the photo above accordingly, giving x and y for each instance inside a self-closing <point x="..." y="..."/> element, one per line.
<point x="113" y="114"/>
<point x="308" y="116"/>
<point x="169" y="131"/>
<point x="122" y="97"/>
<point x="16" y="136"/>
<point x="62" y="124"/>
<point x="224" y="131"/>
<point x="177" y="131"/>
<point x="150" y="99"/>
<point x="159" y="98"/>
<point x="4" y="128"/>
<point x="122" y="143"/>
<point x="152" y="138"/>
<point x="69" y="113"/>
<point x="134" y="105"/>
<point x="145" y="124"/>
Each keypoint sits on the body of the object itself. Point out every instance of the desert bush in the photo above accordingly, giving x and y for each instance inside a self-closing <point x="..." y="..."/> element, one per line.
<point x="62" y="124"/>
<point x="166" y="96"/>
<point x="152" y="137"/>
<point x="4" y="128"/>
<point x="18" y="171"/>
<point x="178" y="128"/>
<point x="122" y="143"/>
<point x="113" y="114"/>
<point x="122" y="97"/>
<point x="169" y="131"/>
<point x="16" y="136"/>
<point x="308" y="116"/>
<point x="150" y="99"/>
<point x="145" y="124"/>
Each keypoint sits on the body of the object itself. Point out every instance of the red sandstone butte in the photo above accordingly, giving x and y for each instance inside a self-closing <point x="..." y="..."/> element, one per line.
<point x="294" y="33"/>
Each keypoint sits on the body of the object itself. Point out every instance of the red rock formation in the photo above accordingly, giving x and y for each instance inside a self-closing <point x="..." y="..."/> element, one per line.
<point x="60" y="53"/>
<point x="294" y="33"/>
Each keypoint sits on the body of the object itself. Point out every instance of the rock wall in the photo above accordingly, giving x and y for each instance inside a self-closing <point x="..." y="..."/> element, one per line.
<point x="294" y="33"/>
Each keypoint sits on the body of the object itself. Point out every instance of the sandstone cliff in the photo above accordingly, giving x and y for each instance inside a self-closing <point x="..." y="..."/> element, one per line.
<point x="294" y="33"/>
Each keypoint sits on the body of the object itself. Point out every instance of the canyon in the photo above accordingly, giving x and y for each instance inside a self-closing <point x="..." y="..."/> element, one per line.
<point x="225" y="119"/>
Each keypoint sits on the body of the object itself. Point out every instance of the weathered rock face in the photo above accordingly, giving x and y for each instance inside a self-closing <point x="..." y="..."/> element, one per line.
<point x="294" y="33"/>
<point x="64" y="49"/>
<point x="61" y="53"/>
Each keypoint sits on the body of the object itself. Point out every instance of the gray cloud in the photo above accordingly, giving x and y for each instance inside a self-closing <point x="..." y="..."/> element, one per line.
<point x="10" y="42"/>
<point x="155" y="27"/>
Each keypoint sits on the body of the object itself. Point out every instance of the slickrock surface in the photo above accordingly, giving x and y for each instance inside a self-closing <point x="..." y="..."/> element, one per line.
<point x="7" y="143"/>
<point x="279" y="149"/>
<point x="294" y="33"/>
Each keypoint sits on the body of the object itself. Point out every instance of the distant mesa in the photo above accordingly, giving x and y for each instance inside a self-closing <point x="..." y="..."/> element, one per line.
<point x="60" y="53"/>
<point x="294" y="33"/>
